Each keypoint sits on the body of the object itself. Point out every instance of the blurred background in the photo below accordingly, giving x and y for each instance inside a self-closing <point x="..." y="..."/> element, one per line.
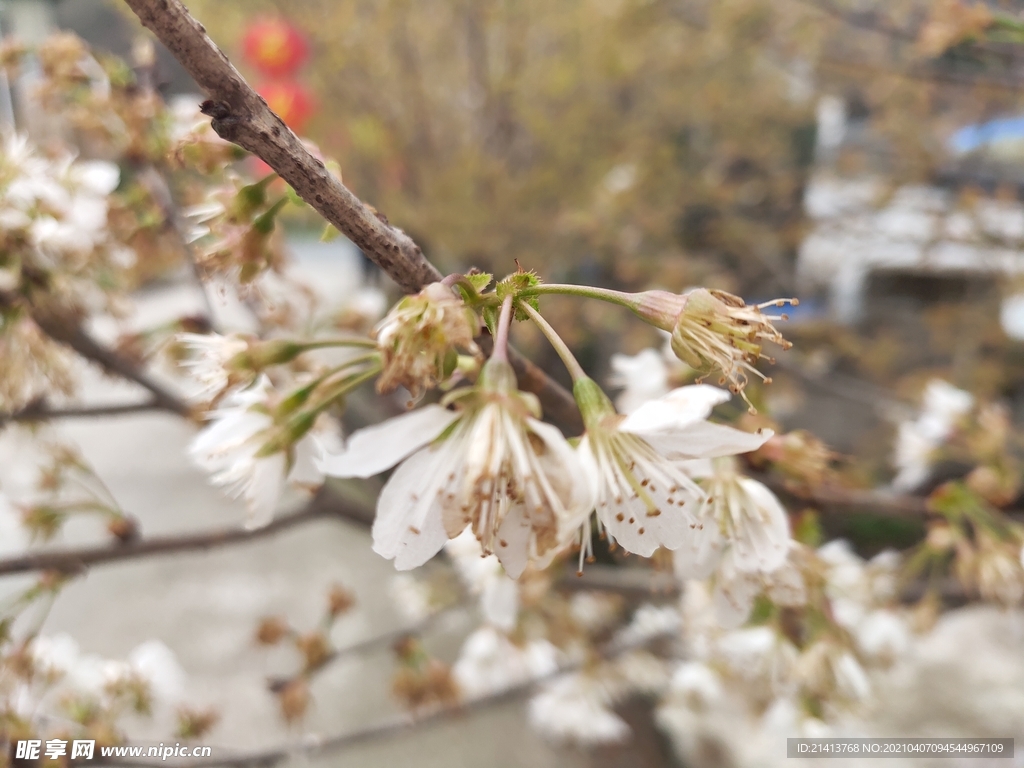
<point x="865" y="157"/>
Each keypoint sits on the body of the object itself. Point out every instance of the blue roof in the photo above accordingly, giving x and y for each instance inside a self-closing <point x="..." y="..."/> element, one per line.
<point x="972" y="137"/>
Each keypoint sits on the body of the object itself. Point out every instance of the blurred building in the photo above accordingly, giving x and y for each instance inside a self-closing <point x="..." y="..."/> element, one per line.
<point x="960" y="239"/>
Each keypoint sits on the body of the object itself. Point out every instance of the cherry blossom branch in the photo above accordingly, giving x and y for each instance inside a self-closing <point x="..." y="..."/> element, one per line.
<point x="241" y="116"/>
<point x="325" y="505"/>
<point x="399" y="724"/>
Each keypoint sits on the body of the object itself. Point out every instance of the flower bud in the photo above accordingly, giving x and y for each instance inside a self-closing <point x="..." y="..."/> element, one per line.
<point x="272" y="630"/>
<point x="339" y="600"/>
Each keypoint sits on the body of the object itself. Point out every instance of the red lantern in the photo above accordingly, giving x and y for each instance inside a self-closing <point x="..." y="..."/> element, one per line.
<point x="292" y="102"/>
<point x="274" y="47"/>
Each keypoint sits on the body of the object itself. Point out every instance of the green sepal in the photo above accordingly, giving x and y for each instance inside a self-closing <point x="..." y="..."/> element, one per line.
<point x="515" y="283"/>
<point x="479" y="280"/>
<point x="451" y="361"/>
<point x="490" y="315"/>
<point x="593" y="403"/>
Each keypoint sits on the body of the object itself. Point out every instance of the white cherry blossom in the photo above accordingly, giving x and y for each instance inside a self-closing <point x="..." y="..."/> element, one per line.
<point x="484" y="576"/>
<point x="743" y="519"/>
<point x="492" y="466"/>
<point x="211" y="354"/>
<point x="489" y="662"/>
<point x="644" y="499"/>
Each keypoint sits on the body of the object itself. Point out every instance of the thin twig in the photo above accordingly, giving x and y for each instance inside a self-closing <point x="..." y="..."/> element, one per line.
<point x="371" y="644"/>
<point x="39" y="411"/>
<point x="324" y="505"/>
<point x="71" y="334"/>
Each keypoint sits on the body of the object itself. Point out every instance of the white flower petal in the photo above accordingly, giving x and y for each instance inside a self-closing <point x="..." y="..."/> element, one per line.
<point x="761" y="535"/>
<point x="634" y="525"/>
<point x="513" y="548"/>
<point x="706" y="440"/>
<point x="677" y="409"/>
<point x="371" y="450"/>
<point x="699" y="555"/>
<point x="263" y="489"/>
<point x="734" y="594"/>
<point x="408" y="527"/>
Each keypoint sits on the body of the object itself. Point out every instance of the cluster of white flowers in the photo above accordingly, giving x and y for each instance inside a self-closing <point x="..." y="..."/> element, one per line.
<point x="53" y="213"/>
<point x="768" y="675"/>
<point x="65" y="671"/>
<point x="53" y="231"/>
<point x="490" y="663"/>
<point x="916" y="440"/>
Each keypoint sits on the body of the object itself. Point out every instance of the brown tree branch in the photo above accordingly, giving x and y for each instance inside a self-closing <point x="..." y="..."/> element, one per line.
<point x="240" y="115"/>
<point x="68" y="331"/>
<point x="324" y="505"/>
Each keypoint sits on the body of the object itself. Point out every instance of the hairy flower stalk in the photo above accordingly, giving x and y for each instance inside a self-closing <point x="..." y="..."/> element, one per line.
<point x="420" y="337"/>
<point x="711" y="330"/>
<point x="481" y="460"/>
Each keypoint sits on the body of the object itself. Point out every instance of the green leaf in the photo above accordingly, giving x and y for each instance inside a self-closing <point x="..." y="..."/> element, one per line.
<point x="330" y="234"/>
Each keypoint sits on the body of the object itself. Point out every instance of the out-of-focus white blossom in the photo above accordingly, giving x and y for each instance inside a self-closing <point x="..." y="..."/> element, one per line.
<point x="412" y="597"/>
<point x="211" y="355"/>
<point x="81" y="673"/>
<point x="883" y="636"/>
<point x="230" y="448"/>
<point x="577" y="709"/>
<point x="943" y="405"/>
<point x="854" y="586"/>
<point x="649" y="621"/>
<point x="593" y="610"/>
<point x="695" y="685"/>
<point x="489" y="662"/>
<point x="760" y="656"/>
<point x="157" y="664"/>
<point x="642" y="377"/>
<point x="484" y="576"/>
